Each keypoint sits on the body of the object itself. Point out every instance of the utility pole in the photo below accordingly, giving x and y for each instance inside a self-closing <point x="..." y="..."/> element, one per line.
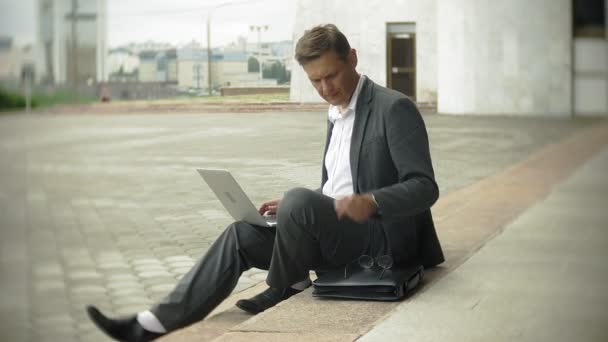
<point x="27" y="77"/>
<point x="197" y="75"/>
<point x="74" y="78"/>
<point x="209" y="83"/>
<point x="211" y="9"/>
<point x="259" y="30"/>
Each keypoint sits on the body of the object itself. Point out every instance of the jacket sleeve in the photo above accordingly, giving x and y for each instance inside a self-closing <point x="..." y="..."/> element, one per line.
<point x="407" y="140"/>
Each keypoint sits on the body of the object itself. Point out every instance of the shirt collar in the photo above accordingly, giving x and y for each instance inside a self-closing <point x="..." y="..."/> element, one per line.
<point x="334" y="111"/>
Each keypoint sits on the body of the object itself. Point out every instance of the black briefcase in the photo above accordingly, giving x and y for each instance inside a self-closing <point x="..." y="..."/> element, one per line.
<point x="368" y="283"/>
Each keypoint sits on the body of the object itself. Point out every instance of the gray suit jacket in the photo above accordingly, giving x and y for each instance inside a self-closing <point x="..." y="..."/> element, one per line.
<point x="390" y="158"/>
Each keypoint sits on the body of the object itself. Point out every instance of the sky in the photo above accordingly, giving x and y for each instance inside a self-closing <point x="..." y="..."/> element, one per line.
<point x="176" y="21"/>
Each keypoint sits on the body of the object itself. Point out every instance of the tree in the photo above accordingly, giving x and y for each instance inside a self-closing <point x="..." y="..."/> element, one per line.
<point x="253" y="65"/>
<point x="277" y="71"/>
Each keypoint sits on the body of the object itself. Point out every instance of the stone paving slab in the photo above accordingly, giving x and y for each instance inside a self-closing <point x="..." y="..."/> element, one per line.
<point x="543" y="279"/>
<point x="108" y="209"/>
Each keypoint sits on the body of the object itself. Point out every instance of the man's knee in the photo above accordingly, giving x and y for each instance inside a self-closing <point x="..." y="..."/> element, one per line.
<point x="296" y="203"/>
<point x="297" y="199"/>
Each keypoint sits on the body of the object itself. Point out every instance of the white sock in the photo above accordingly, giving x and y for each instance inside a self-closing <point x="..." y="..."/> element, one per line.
<point x="150" y="322"/>
<point x="301" y="285"/>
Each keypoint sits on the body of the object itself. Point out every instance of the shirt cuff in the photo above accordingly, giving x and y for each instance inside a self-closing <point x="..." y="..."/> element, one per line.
<point x="376" y="203"/>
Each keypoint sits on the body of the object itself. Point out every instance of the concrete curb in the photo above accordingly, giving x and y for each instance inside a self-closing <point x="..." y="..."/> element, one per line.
<point x="222" y="319"/>
<point x="173" y="108"/>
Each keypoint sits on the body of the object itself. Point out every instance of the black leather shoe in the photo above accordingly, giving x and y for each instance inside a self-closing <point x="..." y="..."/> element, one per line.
<point x="266" y="299"/>
<point x="121" y="329"/>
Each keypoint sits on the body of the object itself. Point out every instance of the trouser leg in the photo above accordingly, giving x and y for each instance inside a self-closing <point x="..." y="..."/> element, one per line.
<point x="310" y="235"/>
<point x="240" y="247"/>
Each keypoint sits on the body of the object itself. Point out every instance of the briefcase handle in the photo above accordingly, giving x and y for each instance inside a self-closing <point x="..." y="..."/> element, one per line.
<point x="414" y="281"/>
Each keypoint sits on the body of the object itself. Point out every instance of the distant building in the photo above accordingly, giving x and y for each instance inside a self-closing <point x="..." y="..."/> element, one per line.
<point x="72" y="41"/>
<point x="261" y="53"/>
<point x="147" y="66"/>
<point x="542" y="57"/>
<point x="123" y="65"/>
<point x="240" y="45"/>
<point x="158" y="66"/>
<point x="228" y="68"/>
<point x="148" y="45"/>
<point x="14" y="61"/>
<point x="282" y="49"/>
<point x="192" y="67"/>
<point x="233" y="71"/>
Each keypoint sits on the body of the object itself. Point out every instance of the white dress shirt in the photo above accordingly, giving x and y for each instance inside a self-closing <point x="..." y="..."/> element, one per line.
<point x="337" y="159"/>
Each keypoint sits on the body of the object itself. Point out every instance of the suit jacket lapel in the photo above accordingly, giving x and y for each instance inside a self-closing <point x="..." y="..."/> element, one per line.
<point x="362" y="113"/>
<point x="330" y="127"/>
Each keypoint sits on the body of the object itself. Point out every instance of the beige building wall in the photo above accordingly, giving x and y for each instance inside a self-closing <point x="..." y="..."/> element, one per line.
<point x="223" y="73"/>
<point x="231" y="73"/>
<point x="147" y="71"/>
<point x="13" y="60"/>
<point x="505" y="57"/>
<point x="186" y="76"/>
<point x="10" y="64"/>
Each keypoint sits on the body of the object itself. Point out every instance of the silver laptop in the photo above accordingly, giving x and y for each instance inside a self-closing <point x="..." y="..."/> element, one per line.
<point x="234" y="198"/>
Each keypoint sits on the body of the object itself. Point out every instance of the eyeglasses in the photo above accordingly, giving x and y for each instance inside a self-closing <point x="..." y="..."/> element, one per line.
<point x="367" y="262"/>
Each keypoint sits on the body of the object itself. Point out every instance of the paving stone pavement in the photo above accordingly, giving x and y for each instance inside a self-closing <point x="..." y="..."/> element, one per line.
<point x="108" y="209"/>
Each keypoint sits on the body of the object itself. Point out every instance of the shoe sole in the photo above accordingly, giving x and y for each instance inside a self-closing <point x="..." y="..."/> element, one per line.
<point x="248" y="306"/>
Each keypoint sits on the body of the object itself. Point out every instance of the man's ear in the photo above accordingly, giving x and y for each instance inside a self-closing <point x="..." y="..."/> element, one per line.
<point x="352" y="58"/>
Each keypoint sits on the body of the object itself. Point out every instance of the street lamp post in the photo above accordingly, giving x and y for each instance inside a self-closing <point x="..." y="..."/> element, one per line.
<point x="259" y="30"/>
<point x="211" y="9"/>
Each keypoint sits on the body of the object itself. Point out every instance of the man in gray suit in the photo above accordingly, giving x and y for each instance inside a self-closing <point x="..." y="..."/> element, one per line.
<point x="376" y="192"/>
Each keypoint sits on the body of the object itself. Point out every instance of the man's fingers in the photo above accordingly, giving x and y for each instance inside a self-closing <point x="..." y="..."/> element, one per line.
<point x="351" y="207"/>
<point x="263" y="208"/>
<point x="269" y="206"/>
<point x="340" y="209"/>
<point x="339" y="213"/>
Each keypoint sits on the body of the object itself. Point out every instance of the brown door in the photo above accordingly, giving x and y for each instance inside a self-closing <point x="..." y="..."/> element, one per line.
<point x="401" y="64"/>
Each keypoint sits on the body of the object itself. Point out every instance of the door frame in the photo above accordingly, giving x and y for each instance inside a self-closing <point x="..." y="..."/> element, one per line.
<point x="394" y="29"/>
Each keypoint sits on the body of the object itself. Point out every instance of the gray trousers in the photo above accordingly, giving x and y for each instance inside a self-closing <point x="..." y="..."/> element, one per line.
<point x="308" y="236"/>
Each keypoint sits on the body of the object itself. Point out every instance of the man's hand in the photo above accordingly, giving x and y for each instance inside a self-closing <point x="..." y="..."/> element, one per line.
<point x="269" y="207"/>
<point x="359" y="207"/>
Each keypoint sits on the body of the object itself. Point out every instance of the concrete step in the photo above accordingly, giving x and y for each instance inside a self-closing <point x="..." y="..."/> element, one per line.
<point x="466" y="219"/>
<point x="220" y="321"/>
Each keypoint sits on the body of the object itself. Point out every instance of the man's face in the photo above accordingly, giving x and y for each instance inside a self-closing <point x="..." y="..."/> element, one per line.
<point x="333" y="78"/>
